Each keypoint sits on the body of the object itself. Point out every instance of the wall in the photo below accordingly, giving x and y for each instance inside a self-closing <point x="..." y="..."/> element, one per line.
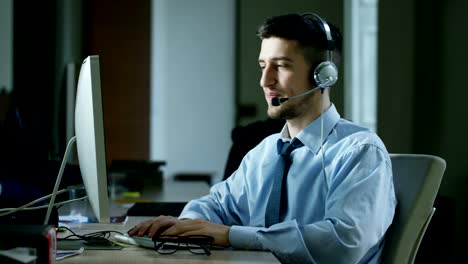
<point x="396" y="69"/>
<point x="33" y="65"/>
<point x="422" y="93"/>
<point x="68" y="50"/>
<point x="192" y="105"/>
<point x="6" y="45"/>
<point x="45" y="40"/>
<point x="250" y="98"/>
<point x="119" y="32"/>
<point x="49" y="35"/>
<point x="453" y="128"/>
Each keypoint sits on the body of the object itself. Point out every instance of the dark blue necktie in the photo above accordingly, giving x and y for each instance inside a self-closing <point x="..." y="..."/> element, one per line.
<point x="278" y="201"/>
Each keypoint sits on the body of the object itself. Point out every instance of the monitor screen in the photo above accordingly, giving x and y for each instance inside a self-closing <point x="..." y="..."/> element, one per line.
<point x="89" y="130"/>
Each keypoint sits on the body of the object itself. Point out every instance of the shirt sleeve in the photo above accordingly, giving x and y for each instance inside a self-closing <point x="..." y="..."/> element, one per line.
<point x="228" y="201"/>
<point x="360" y="205"/>
<point x="225" y="204"/>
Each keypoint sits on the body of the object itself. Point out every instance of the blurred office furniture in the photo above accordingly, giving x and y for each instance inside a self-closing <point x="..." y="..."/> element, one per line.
<point x="141" y="185"/>
<point x="194" y="176"/>
<point x="417" y="179"/>
<point x="133" y="175"/>
<point x="245" y="138"/>
<point x="170" y="199"/>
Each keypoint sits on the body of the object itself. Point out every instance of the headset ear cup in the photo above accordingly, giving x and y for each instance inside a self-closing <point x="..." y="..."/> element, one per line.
<point x="312" y="77"/>
<point x="325" y="74"/>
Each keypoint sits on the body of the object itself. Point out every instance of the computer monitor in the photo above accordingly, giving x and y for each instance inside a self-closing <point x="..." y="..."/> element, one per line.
<point x="89" y="130"/>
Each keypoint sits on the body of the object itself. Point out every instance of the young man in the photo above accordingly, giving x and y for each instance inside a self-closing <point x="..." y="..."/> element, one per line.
<point x="337" y="198"/>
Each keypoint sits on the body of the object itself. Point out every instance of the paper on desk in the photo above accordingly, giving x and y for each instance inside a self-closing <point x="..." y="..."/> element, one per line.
<point x="61" y="254"/>
<point x="20" y="254"/>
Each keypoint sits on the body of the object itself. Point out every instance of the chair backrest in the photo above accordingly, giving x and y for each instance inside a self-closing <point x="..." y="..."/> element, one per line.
<point x="417" y="179"/>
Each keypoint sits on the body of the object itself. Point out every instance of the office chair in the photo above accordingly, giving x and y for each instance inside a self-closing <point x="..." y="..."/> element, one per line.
<point x="245" y="138"/>
<point x="417" y="179"/>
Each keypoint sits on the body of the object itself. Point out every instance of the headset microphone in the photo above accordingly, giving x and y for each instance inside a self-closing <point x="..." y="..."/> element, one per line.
<point x="278" y="101"/>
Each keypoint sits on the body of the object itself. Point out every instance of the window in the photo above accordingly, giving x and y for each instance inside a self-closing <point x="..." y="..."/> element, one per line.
<point x="360" y="67"/>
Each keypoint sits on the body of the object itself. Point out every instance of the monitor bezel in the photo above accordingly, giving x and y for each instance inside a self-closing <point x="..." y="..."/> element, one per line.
<point x="90" y="141"/>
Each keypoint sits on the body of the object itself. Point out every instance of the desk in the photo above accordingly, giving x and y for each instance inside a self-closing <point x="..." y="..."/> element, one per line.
<point x="132" y="254"/>
<point x="148" y="256"/>
<point x="172" y="191"/>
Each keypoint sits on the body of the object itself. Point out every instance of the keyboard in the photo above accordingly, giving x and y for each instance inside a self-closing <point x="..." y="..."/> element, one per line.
<point x="147" y="242"/>
<point x="144" y="241"/>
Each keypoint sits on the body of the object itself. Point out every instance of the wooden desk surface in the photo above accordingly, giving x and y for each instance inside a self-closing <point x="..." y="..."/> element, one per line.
<point x="126" y="256"/>
<point x="133" y="254"/>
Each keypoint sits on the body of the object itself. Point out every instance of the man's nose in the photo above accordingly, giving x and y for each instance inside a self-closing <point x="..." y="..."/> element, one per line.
<point x="268" y="77"/>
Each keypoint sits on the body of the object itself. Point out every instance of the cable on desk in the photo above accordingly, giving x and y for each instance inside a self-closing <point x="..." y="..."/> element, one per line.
<point x="94" y="238"/>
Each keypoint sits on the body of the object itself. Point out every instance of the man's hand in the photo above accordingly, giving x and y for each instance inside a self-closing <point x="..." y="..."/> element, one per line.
<point x="153" y="226"/>
<point x="168" y="225"/>
<point x="219" y="232"/>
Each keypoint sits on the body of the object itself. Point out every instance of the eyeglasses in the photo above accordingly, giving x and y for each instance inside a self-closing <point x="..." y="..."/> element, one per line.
<point x="197" y="244"/>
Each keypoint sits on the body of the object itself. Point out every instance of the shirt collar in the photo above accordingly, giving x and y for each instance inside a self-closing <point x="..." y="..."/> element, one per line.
<point x="310" y="135"/>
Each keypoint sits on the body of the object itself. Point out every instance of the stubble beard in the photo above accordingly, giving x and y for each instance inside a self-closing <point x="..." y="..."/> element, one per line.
<point x="288" y="110"/>
<point x="283" y="112"/>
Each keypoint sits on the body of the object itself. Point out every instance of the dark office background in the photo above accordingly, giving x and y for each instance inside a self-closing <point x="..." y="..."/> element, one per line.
<point x="421" y="84"/>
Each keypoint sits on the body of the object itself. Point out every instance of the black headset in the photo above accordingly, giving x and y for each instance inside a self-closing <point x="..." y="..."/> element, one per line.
<point x="325" y="74"/>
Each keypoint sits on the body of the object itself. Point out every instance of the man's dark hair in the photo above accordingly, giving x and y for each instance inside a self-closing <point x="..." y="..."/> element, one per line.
<point x="306" y="30"/>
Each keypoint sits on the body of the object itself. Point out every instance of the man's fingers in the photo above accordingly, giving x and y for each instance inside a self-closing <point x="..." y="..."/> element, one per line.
<point x="160" y="224"/>
<point x="153" y="226"/>
<point x="168" y="225"/>
<point x="144" y="227"/>
<point x="136" y="229"/>
<point x="184" y="226"/>
<point x="219" y="232"/>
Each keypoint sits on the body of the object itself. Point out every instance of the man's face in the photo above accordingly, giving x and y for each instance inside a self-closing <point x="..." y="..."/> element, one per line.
<point x="284" y="74"/>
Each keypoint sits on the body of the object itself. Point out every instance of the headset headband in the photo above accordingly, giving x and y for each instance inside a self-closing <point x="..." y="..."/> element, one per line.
<point x="326" y="28"/>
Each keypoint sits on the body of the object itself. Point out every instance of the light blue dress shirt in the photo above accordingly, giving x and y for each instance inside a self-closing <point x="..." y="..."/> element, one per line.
<point x="338" y="218"/>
